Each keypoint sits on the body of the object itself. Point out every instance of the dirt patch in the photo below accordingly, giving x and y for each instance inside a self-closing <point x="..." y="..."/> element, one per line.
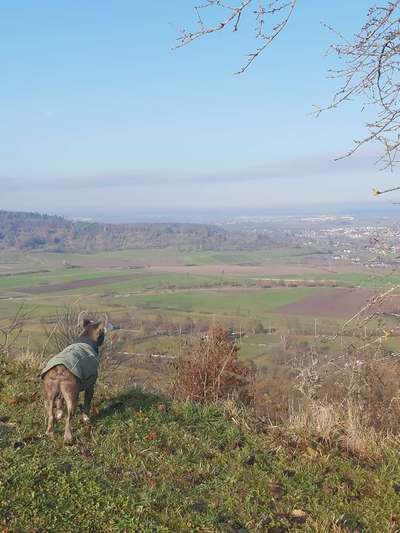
<point x="338" y="303"/>
<point x="76" y="284"/>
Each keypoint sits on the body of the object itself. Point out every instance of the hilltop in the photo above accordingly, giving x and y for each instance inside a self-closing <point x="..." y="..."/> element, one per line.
<point x="33" y="231"/>
<point x="151" y="464"/>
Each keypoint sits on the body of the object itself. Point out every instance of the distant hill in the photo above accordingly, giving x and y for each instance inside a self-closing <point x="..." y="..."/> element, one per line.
<point x="33" y="231"/>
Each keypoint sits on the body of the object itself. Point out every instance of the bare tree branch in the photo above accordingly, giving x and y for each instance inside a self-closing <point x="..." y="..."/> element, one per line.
<point x="370" y="60"/>
<point x="269" y="20"/>
<point x="370" y="72"/>
<point x="377" y="192"/>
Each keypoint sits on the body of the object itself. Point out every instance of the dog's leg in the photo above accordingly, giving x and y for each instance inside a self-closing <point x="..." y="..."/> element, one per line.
<point x="87" y="403"/>
<point x="50" y="416"/>
<point x="51" y="391"/>
<point x="59" y="407"/>
<point x="70" y="392"/>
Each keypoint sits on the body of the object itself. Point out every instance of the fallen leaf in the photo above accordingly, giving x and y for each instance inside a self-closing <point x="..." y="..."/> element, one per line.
<point x="153" y="435"/>
<point x="277" y="491"/>
<point x="298" y="516"/>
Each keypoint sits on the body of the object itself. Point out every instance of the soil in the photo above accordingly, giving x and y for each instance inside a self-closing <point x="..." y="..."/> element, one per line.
<point x="338" y="303"/>
<point x="77" y="284"/>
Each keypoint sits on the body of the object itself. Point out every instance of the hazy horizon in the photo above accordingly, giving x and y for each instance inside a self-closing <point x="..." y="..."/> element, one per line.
<point x="365" y="210"/>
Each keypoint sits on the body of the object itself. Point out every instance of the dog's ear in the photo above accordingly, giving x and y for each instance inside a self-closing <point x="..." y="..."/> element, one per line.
<point x="99" y="324"/>
<point x="83" y="319"/>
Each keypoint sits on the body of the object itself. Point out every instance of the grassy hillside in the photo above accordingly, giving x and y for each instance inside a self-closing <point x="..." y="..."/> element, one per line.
<point x="148" y="464"/>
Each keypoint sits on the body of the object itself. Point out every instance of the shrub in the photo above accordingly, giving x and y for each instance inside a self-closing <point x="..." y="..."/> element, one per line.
<point x="208" y="369"/>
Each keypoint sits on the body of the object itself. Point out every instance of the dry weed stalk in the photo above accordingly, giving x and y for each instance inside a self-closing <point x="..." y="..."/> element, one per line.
<point x="11" y="330"/>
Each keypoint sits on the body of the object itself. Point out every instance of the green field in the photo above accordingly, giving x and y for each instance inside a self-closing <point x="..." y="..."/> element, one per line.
<point x="235" y="303"/>
<point x="160" y="284"/>
<point x="243" y="257"/>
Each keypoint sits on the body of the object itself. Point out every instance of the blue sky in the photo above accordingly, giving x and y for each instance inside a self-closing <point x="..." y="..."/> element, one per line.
<point x="97" y="111"/>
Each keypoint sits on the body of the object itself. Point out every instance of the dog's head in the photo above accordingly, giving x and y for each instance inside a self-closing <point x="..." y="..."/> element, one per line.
<point x="93" y="328"/>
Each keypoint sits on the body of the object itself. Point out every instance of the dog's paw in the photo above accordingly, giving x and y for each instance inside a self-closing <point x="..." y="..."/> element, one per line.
<point x="59" y="414"/>
<point x="85" y="418"/>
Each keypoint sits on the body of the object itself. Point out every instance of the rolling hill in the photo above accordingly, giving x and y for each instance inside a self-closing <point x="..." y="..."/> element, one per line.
<point x="33" y="231"/>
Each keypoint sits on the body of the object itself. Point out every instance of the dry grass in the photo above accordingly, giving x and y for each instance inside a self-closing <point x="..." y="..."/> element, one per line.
<point x="336" y="425"/>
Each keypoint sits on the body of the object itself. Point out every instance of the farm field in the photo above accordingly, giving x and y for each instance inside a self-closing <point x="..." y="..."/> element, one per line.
<point x="279" y="290"/>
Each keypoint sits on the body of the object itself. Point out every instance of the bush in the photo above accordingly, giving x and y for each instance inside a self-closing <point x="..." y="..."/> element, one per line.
<point x="209" y="370"/>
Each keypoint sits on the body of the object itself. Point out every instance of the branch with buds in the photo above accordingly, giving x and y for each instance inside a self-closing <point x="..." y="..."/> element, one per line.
<point x="269" y="20"/>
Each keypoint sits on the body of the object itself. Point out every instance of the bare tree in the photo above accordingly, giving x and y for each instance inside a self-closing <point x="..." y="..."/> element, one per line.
<point x="368" y="63"/>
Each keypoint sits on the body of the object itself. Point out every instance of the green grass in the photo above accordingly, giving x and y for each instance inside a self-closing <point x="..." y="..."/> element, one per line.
<point x="131" y="256"/>
<point x="243" y="257"/>
<point x="21" y="281"/>
<point x="180" y="467"/>
<point x="232" y="303"/>
<point x="144" y="282"/>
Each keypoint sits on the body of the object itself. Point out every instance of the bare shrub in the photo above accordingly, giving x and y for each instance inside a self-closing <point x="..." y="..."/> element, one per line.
<point x="208" y="369"/>
<point x="11" y="330"/>
<point x="64" y="331"/>
<point x="370" y="381"/>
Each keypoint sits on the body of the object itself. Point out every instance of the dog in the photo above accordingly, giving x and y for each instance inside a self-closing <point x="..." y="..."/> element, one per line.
<point x="72" y="371"/>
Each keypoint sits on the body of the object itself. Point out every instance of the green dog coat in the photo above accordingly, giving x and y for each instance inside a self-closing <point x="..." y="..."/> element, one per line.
<point x="81" y="359"/>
